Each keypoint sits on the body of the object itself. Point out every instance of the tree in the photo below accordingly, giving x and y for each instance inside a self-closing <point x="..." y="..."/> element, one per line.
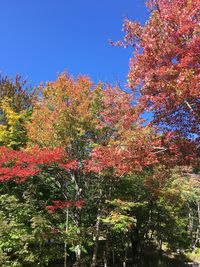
<point x="63" y="112"/>
<point x="12" y="130"/>
<point x="16" y="100"/>
<point x="165" y="65"/>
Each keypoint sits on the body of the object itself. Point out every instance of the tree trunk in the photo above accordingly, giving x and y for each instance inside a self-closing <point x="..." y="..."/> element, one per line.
<point x="135" y="245"/>
<point x="105" y="255"/>
<point x="78" y="255"/>
<point x="113" y="258"/>
<point x="65" y="245"/>
<point x="197" y="237"/>
<point x="97" y="234"/>
<point x="125" y="255"/>
<point x="105" y="262"/>
<point x="96" y="241"/>
<point x="75" y="180"/>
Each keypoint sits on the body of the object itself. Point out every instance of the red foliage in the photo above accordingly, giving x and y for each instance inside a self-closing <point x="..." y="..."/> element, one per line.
<point x="79" y="204"/>
<point x="16" y="164"/>
<point x="165" y="65"/>
<point x="117" y="109"/>
<point x="58" y="204"/>
<point x="19" y="165"/>
<point x="70" y="165"/>
<point x="146" y="149"/>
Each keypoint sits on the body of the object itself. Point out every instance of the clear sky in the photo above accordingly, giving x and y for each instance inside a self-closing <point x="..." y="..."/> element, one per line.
<point x="42" y="38"/>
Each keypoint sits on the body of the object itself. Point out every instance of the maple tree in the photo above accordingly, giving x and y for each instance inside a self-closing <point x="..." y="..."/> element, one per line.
<point x="130" y="145"/>
<point x="62" y="113"/>
<point x="165" y="65"/>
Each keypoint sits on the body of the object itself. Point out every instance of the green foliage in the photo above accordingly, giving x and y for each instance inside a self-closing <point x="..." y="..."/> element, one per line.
<point x="27" y="234"/>
<point x="194" y="255"/>
<point x="119" y="222"/>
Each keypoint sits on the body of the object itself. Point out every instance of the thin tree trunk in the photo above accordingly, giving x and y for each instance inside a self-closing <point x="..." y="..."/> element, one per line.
<point x="134" y="246"/>
<point x="105" y="262"/>
<point x="97" y="234"/>
<point x="66" y="230"/>
<point x="125" y="255"/>
<point x="197" y="238"/>
<point x="78" y="249"/>
<point x="106" y="254"/>
<point x="78" y="255"/>
<point x="96" y="241"/>
<point x="113" y="257"/>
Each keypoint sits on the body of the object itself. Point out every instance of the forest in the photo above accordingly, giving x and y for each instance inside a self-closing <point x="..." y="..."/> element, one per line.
<point x="93" y="174"/>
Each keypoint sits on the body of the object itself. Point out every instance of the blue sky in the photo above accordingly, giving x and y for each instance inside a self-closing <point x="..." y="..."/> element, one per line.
<point x="42" y="38"/>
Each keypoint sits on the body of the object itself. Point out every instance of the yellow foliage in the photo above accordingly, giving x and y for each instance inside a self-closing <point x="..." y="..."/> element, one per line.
<point x="11" y="132"/>
<point x="12" y="117"/>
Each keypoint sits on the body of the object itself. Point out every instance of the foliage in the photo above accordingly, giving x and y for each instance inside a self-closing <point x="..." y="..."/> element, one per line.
<point x="19" y="165"/>
<point x="62" y="114"/>
<point x="94" y="180"/>
<point x="13" y="133"/>
<point x="165" y="66"/>
<point x="111" y="176"/>
<point x="15" y="109"/>
<point x="18" y="91"/>
<point x="23" y="229"/>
